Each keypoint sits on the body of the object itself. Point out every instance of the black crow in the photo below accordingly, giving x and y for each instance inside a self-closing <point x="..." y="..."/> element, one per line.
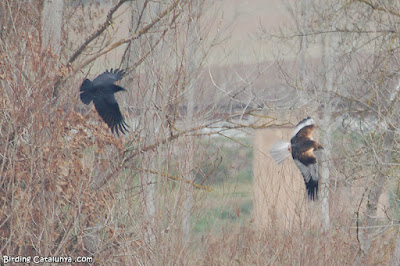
<point x="101" y="91"/>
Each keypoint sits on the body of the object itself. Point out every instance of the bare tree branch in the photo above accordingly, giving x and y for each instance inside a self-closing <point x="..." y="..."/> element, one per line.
<point x="96" y="34"/>
<point x="177" y="135"/>
<point x="175" y="178"/>
<point x="379" y="8"/>
<point x="134" y="36"/>
<point x="334" y="31"/>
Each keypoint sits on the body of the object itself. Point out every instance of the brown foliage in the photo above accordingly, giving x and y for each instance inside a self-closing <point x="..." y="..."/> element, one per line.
<point x="48" y="152"/>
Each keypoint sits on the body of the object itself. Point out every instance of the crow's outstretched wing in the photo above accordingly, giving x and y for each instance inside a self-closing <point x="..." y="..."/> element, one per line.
<point x="108" y="77"/>
<point x="108" y="109"/>
<point x="310" y="175"/>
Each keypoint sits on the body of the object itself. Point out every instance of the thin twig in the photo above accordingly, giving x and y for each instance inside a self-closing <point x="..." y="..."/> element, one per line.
<point x="379" y="8"/>
<point x="96" y="34"/>
<point x="134" y="36"/>
<point x="173" y="178"/>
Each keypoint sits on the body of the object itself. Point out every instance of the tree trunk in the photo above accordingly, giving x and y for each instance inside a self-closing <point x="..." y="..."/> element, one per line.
<point x="140" y="14"/>
<point x="396" y="254"/>
<point x="52" y="21"/>
<point x="329" y="46"/>
<point x="376" y="187"/>
<point x="188" y="188"/>
<point x="303" y="43"/>
<point x="191" y="48"/>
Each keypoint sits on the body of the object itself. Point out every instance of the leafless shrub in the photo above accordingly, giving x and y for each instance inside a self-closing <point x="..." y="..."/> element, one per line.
<point x="69" y="187"/>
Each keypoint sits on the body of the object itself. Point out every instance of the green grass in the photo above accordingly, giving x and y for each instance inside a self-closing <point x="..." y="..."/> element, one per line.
<point x="231" y="201"/>
<point x="231" y="205"/>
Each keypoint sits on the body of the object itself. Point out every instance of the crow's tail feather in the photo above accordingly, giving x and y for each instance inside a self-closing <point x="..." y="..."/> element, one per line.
<point x="280" y="151"/>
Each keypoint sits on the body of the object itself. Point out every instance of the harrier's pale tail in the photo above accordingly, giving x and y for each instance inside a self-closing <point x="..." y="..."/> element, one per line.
<point x="280" y="151"/>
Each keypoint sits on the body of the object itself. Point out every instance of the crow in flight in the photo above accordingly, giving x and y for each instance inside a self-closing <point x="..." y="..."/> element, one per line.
<point x="101" y="91"/>
<point x="301" y="147"/>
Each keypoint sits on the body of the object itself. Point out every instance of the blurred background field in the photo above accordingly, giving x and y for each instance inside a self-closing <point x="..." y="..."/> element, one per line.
<point x="211" y="85"/>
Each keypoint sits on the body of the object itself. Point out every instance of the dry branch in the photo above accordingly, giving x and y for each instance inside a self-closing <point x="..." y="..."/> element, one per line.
<point x="96" y="34"/>
<point x="175" y="178"/>
<point x="379" y="8"/>
<point x="134" y="36"/>
<point x="129" y="156"/>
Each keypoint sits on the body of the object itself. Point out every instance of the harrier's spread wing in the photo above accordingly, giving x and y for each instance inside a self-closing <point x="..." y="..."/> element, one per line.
<point x="304" y="128"/>
<point x="109" y="77"/>
<point x="306" y="132"/>
<point x="108" y="109"/>
<point x="310" y="175"/>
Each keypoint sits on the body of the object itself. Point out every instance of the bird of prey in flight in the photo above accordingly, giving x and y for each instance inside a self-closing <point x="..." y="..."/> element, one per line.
<point x="101" y="91"/>
<point x="302" y="147"/>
